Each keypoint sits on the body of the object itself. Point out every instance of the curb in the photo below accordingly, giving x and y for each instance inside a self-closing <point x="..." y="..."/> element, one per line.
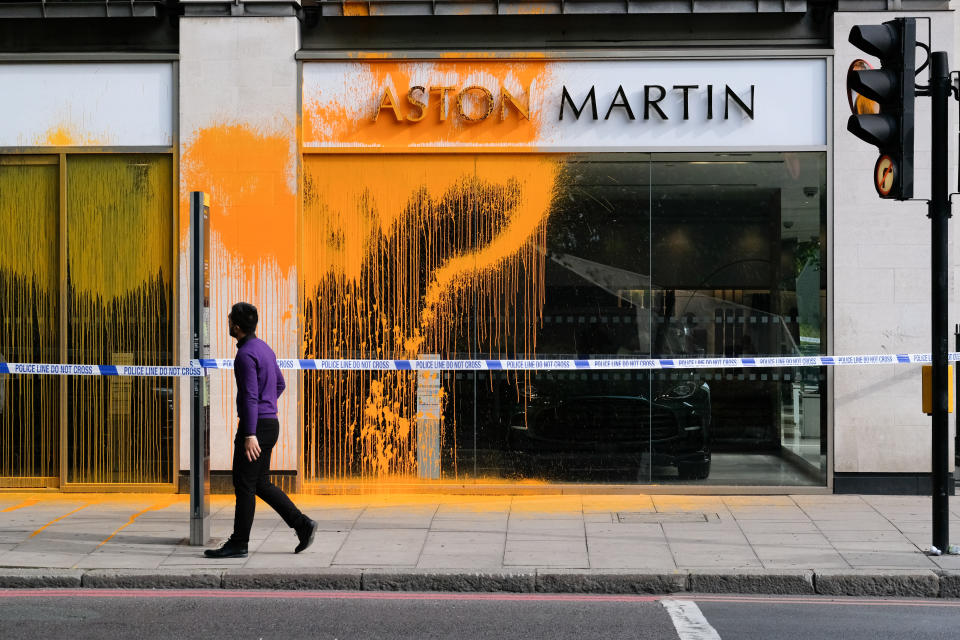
<point x="877" y="582"/>
<point x="842" y="582"/>
<point x="297" y="579"/>
<point x="448" y="580"/>
<point x="153" y="578"/>
<point x="770" y="581"/>
<point x="610" y="581"/>
<point x="40" y="578"/>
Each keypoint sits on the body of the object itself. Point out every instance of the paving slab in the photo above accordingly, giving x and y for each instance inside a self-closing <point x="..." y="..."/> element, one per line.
<point x="888" y="560"/>
<point x="469" y="524"/>
<point x="381" y="547"/>
<point x="546" y="553"/>
<point x="863" y="544"/>
<point x="789" y="557"/>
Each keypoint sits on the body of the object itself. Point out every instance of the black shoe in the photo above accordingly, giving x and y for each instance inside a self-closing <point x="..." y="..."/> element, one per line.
<point x="306" y="534"/>
<point x="230" y="549"/>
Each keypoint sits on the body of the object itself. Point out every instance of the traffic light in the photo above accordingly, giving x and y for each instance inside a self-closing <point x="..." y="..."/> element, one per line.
<point x="882" y="101"/>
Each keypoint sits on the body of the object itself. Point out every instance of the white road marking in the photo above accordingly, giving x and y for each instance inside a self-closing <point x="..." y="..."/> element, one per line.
<point x="689" y="620"/>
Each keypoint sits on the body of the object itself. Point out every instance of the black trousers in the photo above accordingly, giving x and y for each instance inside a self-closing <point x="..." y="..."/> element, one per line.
<point x="250" y="481"/>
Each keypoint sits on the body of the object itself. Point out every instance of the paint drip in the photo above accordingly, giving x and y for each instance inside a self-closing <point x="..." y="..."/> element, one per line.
<point x="30" y="309"/>
<point x="404" y="256"/>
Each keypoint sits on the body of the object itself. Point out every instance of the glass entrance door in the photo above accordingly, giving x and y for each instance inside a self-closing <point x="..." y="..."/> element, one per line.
<point x="119" y="311"/>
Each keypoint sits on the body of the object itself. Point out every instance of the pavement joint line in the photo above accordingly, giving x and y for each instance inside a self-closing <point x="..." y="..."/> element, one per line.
<point x="586" y="538"/>
<point x="744" y="533"/>
<point x="826" y="537"/>
<point x="506" y="534"/>
<point x="423" y="545"/>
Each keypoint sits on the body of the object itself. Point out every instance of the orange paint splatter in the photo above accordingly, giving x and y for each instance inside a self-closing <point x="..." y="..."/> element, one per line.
<point x="67" y="135"/>
<point x="341" y="111"/>
<point x="356" y="8"/>
<point x="403" y="256"/>
<point x="251" y="178"/>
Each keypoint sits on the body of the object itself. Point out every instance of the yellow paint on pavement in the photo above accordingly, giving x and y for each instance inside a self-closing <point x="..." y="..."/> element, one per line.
<point x="152" y="507"/>
<point x="25" y="503"/>
<point x="83" y="506"/>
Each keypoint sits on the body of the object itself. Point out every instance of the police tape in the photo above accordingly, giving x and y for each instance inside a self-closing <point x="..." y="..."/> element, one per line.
<point x="595" y="364"/>
<point x="200" y="367"/>
<point x="31" y="368"/>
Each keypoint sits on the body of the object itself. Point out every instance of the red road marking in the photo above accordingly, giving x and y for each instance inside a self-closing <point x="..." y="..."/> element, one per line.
<point x="820" y="600"/>
<point x="317" y="595"/>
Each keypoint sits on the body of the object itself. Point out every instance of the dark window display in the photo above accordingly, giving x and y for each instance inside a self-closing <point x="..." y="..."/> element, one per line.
<point x="606" y="255"/>
<point x="671" y="256"/>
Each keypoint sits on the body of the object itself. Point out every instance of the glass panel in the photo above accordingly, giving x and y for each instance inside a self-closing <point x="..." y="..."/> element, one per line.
<point x="584" y="293"/>
<point x="406" y="256"/>
<point x="29" y="313"/>
<point x="525" y="256"/>
<point x="119" y="259"/>
<point x="738" y="257"/>
<point x="378" y="237"/>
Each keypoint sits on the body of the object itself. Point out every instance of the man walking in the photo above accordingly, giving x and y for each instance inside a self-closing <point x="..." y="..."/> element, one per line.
<point x="259" y="384"/>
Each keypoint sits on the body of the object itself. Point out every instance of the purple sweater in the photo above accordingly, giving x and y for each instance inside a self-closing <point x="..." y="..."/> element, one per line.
<point x="259" y="383"/>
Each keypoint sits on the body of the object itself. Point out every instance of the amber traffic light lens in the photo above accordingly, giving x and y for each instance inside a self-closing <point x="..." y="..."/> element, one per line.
<point x="860" y="105"/>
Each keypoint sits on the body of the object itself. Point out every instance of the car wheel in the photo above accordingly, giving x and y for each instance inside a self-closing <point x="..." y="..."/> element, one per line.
<point x="694" y="470"/>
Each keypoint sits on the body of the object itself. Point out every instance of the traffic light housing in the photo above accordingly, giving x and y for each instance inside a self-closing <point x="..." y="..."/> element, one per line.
<point x="888" y="124"/>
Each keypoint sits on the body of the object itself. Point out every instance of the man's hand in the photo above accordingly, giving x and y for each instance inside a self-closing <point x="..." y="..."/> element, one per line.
<point x="251" y="448"/>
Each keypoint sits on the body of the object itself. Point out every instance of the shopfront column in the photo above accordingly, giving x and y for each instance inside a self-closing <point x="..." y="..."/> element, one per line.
<point x="238" y="118"/>
<point x="881" y="297"/>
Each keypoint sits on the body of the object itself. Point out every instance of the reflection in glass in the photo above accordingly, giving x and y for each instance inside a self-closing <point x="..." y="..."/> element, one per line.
<point x="739" y="244"/>
<point x="582" y="256"/>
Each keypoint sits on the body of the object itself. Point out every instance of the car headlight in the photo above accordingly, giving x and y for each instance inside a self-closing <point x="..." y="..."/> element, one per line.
<point x="682" y="390"/>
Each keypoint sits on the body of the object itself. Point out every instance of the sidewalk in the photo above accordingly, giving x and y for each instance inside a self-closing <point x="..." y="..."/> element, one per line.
<point x="839" y="545"/>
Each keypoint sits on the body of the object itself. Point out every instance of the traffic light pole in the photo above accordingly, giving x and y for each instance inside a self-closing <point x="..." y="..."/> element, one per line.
<point x="939" y="214"/>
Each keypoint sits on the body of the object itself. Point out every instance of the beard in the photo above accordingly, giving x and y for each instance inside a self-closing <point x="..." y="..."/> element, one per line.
<point x="233" y="332"/>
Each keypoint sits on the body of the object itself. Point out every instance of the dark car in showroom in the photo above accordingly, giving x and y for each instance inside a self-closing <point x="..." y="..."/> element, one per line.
<point x="615" y="424"/>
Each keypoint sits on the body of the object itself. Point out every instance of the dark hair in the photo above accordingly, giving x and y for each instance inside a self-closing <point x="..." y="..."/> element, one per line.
<point x="244" y="315"/>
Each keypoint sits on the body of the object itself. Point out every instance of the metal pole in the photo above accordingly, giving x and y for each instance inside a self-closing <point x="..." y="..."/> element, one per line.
<point x="956" y="394"/>
<point x="939" y="214"/>
<point x="199" y="386"/>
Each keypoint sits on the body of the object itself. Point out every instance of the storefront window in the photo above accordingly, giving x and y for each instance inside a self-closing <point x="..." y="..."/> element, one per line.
<point x="119" y="287"/>
<point x="119" y="262"/>
<point x="578" y="256"/>
<point x="29" y="320"/>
